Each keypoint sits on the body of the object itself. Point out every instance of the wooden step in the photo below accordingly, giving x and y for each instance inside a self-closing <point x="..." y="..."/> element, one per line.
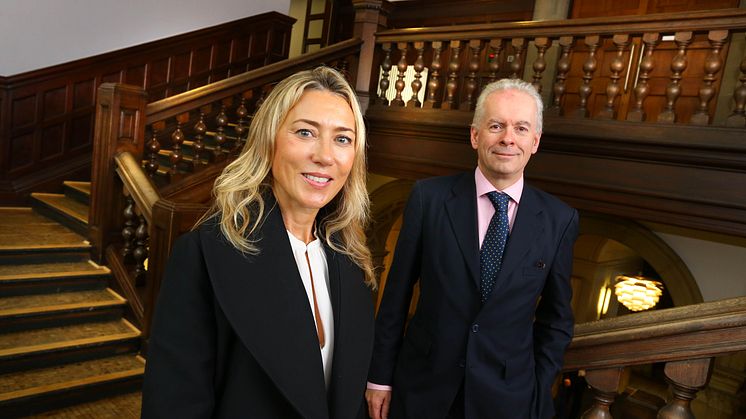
<point x="25" y="233"/>
<point x="37" y="390"/>
<point x="61" y="344"/>
<point x="45" y="277"/>
<point x="63" y="209"/>
<point x="79" y="191"/>
<point x="26" y="312"/>
<point x="118" y="406"/>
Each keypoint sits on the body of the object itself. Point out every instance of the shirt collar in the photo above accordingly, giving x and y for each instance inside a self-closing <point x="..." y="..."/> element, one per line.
<point x="484" y="186"/>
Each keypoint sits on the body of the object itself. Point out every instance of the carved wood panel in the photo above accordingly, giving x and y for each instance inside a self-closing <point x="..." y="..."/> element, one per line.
<point x="46" y="123"/>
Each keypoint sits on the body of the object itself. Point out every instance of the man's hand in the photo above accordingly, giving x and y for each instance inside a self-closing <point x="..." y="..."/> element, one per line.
<point x="378" y="403"/>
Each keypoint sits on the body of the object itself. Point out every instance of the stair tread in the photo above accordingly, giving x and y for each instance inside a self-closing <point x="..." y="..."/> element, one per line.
<point x="22" y="228"/>
<point x="40" y="340"/>
<point x="65" y="204"/>
<point x="60" y="377"/>
<point x="42" y="303"/>
<point x="51" y="270"/>
<point x="83" y="187"/>
<point x="122" y="406"/>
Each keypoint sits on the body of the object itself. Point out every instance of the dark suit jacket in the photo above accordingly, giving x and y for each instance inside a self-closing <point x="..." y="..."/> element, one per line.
<point x="234" y="336"/>
<point x="505" y="353"/>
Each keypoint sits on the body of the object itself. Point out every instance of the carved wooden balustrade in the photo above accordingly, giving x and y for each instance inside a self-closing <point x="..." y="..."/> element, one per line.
<point x="684" y="338"/>
<point x="654" y="68"/>
<point x="155" y="163"/>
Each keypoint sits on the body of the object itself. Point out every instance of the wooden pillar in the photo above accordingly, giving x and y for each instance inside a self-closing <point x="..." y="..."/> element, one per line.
<point x="369" y="18"/>
<point x="120" y="126"/>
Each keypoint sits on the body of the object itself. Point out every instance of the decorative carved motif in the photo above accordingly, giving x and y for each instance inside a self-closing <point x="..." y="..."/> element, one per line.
<point x="712" y="66"/>
<point x="563" y="67"/>
<point x="616" y="66"/>
<point x="673" y="90"/>
<point x="650" y="41"/>
<point x="434" y="84"/>
<point x="475" y="46"/>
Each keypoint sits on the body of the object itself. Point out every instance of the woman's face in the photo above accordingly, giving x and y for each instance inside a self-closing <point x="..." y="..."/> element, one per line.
<point x="314" y="152"/>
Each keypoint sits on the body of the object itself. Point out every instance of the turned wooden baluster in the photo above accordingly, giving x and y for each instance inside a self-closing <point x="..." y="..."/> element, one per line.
<point x="642" y="89"/>
<point x="128" y="232"/>
<point x="343" y="66"/>
<point x="385" y="68"/>
<point x="616" y="66"/>
<point x="605" y="385"/>
<point x="401" y="66"/>
<point x="589" y="67"/>
<point x="738" y="117"/>
<point x="563" y="67"/>
<point x="453" y="67"/>
<point x="152" y="148"/>
<point x="433" y="85"/>
<point x="242" y="112"/>
<point x="177" y="139"/>
<point x="470" y="85"/>
<point x="519" y="49"/>
<point x="686" y="379"/>
<point x="419" y="65"/>
<point x="198" y="146"/>
<point x="493" y="59"/>
<point x="673" y="90"/>
<point x="540" y="64"/>
<point x="221" y="120"/>
<point x="712" y="66"/>
<point x="140" y="252"/>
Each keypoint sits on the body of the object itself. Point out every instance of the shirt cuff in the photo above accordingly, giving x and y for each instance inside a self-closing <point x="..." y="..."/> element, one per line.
<point x="374" y="386"/>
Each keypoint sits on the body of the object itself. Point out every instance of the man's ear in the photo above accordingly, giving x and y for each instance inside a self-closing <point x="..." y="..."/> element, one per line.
<point x="474" y="137"/>
<point x="535" y="146"/>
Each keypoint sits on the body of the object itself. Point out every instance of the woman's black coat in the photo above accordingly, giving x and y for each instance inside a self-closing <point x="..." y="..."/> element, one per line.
<point x="233" y="335"/>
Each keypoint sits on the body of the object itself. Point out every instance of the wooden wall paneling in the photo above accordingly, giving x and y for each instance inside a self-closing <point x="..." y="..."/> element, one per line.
<point x="46" y="115"/>
<point x="426" y="13"/>
<point x="596" y="8"/>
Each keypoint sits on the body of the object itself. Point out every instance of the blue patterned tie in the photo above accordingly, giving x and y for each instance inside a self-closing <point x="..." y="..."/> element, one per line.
<point x="493" y="245"/>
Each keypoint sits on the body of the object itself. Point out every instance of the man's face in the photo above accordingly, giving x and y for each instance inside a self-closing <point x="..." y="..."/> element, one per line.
<point x="506" y="136"/>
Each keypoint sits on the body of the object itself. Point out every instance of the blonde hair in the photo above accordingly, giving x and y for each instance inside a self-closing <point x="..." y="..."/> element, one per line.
<point x="239" y="190"/>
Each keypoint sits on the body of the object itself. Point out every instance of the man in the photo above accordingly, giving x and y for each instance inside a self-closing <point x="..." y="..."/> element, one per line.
<point x="494" y="316"/>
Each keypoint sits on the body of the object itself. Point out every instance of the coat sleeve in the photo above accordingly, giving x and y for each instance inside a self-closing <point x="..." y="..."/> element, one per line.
<point x="181" y="352"/>
<point x="553" y="324"/>
<point x="397" y="294"/>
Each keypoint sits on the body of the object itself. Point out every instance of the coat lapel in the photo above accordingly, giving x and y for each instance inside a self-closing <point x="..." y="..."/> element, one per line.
<point x="462" y="212"/>
<point x="527" y="227"/>
<point x="263" y="298"/>
<point x="352" y="303"/>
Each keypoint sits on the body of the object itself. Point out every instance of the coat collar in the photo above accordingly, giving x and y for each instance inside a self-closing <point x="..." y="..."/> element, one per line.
<point x="462" y="212"/>
<point x="264" y="299"/>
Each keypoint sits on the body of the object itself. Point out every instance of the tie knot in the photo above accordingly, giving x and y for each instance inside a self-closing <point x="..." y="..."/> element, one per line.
<point x="499" y="201"/>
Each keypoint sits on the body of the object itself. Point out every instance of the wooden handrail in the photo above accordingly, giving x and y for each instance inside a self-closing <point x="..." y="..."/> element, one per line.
<point x="689" y="332"/>
<point x="137" y="183"/>
<point x="192" y="99"/>
<point x="727" y="19"/>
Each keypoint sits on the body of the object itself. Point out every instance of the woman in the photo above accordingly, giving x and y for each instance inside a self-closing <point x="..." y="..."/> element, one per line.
<point x="265" y="310"/>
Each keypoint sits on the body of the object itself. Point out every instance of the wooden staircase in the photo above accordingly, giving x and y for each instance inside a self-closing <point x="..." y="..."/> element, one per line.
<point x="63" y="338"/>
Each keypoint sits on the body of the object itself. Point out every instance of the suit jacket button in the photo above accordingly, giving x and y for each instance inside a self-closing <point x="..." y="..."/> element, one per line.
<point x="475" y="328"/>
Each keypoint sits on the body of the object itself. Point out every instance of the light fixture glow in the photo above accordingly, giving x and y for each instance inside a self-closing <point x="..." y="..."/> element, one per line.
<point x="637" y="293"/>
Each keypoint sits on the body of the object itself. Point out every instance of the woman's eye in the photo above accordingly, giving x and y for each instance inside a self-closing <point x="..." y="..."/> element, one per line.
<point x="304" y="132"/>
<point x="344" y="140"/>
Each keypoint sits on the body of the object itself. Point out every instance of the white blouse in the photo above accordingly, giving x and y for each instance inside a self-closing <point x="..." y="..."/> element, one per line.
<point x="320" y="271"/>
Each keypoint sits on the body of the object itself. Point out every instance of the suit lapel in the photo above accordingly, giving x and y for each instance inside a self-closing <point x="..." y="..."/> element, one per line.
<point x="462" y="212"/>
<point x="527" y="227"/>
<point x="353" y="330"/>
<point x="265" y="302"/>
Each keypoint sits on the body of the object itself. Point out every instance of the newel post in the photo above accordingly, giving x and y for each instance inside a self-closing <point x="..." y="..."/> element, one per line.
<point x="370" y="17"/>
<point x="120" y="126"/>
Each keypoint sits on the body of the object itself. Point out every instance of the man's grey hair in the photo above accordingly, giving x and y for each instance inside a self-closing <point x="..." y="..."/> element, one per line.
<point x="509" y="84"/>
